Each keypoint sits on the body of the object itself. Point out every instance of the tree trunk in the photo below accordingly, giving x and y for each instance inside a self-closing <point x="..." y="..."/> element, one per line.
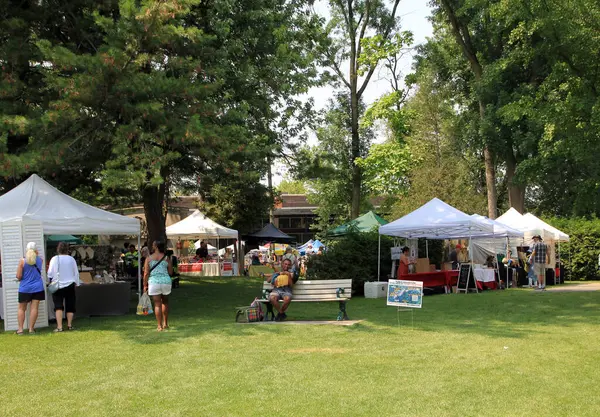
<point x="463" y="38"/>
<point x="356" y="171"/>
<point x="516" y="192"/>
<point x="270" y="186"/>
<point x="154" y="200"/>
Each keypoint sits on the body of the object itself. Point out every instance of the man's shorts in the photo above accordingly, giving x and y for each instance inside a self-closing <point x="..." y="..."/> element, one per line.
<point x="539" y="269"/>
<point x="159" y="289"/>
<point x="282" y="292"/>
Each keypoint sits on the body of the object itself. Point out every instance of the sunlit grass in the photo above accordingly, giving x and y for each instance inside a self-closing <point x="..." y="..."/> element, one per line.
<point x="506" y="353"/>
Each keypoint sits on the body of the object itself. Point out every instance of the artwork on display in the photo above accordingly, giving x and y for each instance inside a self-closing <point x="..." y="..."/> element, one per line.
<point x="405" y="293"/>
<point x="396" y="252"/>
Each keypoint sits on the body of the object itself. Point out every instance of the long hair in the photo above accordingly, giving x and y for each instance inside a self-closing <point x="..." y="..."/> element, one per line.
<point x="31" y="257"/>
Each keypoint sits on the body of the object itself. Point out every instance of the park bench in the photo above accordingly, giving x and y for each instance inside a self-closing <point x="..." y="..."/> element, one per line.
<point x="339" y="290"/>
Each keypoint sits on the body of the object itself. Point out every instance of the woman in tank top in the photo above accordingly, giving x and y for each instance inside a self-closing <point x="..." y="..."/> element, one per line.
<point x="31" y="287"/>
<point x="157" y="282"/>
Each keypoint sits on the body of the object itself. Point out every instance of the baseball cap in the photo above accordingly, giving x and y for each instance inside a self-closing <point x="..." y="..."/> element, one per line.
<point x="31" y="246"/>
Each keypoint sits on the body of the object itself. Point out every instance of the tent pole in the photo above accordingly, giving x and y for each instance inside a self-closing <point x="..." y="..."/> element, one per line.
<point x="426" y="248"/>
<point x="379" y="260"/>
<point x="139" y="265"/>
<point x="470" y="253"/>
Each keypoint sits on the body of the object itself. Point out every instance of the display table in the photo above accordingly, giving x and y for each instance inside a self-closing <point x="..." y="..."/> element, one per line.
<point x="485" y="278"/>
<point x="258" y="270"/>
<point x="98" y="300"/>
<point x="446" y="279"/>
<point x="207" y="269"/>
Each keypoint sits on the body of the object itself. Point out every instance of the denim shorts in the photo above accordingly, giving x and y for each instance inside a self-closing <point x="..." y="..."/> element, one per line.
<point x="282" y="292"/>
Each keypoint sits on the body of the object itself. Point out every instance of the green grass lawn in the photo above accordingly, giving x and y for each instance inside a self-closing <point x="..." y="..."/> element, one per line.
<point x="504" y="353"/>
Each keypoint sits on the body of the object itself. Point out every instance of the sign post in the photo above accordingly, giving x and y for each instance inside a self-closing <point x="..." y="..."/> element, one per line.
<point x="405" y="294"/>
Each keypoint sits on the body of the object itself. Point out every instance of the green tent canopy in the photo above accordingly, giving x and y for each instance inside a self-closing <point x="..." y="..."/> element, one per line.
<point x="56" y="239"/>
<point x="364" y="223"/>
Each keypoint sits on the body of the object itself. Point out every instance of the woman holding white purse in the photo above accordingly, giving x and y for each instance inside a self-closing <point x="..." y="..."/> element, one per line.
<point x="63" y="269"/>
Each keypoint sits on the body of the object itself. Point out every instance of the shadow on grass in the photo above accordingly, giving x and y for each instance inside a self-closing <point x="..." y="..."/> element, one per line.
<point x="207" y="306"/>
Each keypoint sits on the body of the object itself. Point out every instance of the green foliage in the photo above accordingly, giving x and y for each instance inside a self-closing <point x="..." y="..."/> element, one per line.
<point x="353" y="256"/>
<point x="386" y="168"/>
<point x="291" y="187"/>
<point x="580" y="256"/>
<point x="328" y="167"/>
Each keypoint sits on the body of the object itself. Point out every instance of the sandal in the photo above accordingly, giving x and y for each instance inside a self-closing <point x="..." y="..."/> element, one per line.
<point x="57" y="330"/>
<point x="31" y="331"/>
<point x="71" y="328"/>
<point x="19" y="333"/>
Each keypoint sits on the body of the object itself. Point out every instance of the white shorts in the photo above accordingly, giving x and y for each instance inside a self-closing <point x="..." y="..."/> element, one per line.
<point x="159" y="289"/>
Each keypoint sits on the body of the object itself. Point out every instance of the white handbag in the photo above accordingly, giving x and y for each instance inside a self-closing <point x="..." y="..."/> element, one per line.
<point x="54" y="285"/>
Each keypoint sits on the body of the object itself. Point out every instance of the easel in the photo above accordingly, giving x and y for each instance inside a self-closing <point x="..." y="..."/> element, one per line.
<point x="465" y="274"/>
<point x="412" y="316"/>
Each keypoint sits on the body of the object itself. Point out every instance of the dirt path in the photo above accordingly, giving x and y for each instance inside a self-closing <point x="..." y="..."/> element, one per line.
<point x="593" y="286"/>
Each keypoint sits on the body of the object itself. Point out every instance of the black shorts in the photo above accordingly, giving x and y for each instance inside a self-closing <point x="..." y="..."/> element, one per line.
<point x="64" y="299"/>
<point x="26" y="297"/>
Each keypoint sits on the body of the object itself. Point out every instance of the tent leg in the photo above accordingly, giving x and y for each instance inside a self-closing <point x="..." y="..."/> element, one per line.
<point x="139" y="265"/>
<point x="426" y="248"/>
<point x="470" y="252"/>
<point x="379" y="260"/>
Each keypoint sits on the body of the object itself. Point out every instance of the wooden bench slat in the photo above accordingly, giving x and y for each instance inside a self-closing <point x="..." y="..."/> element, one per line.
<point x="315" y="300"/>
<point x="314" y="292"/>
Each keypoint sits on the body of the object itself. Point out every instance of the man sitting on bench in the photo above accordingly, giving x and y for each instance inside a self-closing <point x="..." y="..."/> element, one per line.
<point x="282" y="289"/>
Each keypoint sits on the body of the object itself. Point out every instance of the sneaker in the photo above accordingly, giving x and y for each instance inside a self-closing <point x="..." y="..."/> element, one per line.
<point x="283" y="317"/>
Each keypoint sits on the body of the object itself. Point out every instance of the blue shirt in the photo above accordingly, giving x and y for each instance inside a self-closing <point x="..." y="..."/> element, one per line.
<point x="32" y="279"/>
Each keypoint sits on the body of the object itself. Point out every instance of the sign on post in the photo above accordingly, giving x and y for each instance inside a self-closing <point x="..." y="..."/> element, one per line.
<point x="405" y="293"/>
<point x="396" y="252"/>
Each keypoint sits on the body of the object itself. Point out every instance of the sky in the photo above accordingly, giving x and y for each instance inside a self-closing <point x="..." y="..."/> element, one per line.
<point x="414" y="18"/>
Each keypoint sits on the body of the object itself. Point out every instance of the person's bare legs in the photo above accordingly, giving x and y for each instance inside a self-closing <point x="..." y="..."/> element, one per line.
<point x="59" y="318"/>
<point x="165" y="311"/>
<point x="33" y="314"/>
<point x="158" y="311"/>
<point x="286" y="303"/>
<point x="21" y="316"/>
<point x="70" y="317"/>
<point x="274" y="298"/>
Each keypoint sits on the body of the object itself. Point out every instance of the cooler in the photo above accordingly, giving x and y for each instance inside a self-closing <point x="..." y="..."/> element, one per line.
<point x="376" y="289"/>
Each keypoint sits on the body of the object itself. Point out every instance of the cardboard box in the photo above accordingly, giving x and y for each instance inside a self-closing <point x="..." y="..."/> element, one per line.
<point x="432" y="268"/>
<point x="447" y="266"/>
<point x="422" y="265"/>
<point x="376" y="289"/>
<point x="85" y="277"/>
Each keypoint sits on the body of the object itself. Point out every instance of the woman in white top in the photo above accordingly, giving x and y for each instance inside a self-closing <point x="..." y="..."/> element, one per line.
<point x="64" y="269"/>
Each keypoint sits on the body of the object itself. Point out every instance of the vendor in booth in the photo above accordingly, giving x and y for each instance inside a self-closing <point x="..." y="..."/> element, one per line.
<point x="131" y="261"/>
<point x="404" y="262"/>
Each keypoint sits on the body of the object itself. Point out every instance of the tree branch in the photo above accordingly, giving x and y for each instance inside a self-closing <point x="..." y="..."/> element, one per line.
<point x="362" y="31"/>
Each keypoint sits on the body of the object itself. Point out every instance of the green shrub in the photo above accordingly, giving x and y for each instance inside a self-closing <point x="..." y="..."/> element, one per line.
<point x="353" y="256"/>
<point x="580" y="255"/>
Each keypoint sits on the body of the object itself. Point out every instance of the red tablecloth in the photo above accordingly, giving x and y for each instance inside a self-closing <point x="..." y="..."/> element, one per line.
<point x="434" y="279"/>
<point x="197" y="267"/>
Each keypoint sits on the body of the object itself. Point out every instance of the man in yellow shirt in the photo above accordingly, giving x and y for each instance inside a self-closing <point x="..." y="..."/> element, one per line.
<point x="282" y="289"/>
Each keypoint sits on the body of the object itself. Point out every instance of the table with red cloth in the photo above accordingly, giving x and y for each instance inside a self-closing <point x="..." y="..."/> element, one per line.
<point x="446" y="279"/>
<point x="200" y="269"/>
<point x="485" y="278"/>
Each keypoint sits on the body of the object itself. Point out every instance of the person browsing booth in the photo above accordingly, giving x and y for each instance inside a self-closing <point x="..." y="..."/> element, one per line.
<point x="282" y="289"/>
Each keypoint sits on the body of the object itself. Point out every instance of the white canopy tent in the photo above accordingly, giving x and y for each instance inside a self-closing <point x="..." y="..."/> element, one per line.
<point x="531" y="225"/>
<point x="558" y="235"/>
<point x="35" y="199"/>
<point x="35" y="209"/>
<point x="435" y="220"/>
<point x="197" y="225"/>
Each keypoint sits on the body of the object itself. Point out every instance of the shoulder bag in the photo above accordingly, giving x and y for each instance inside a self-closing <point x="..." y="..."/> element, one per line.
<point x="156" y="264"/>
<point x="54" y="285"/>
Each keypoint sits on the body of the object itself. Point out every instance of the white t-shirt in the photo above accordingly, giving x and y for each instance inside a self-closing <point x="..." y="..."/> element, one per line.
<point x="65" y="269"/>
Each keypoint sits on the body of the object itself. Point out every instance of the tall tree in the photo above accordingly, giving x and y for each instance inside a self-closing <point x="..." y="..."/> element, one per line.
<point x="462" y="34"/>
<point x="354" y="24"/>
<point x="174" y="93"/>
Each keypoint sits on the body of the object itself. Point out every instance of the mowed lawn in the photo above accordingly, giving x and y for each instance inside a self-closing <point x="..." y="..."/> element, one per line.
<point x="505" y="353"/>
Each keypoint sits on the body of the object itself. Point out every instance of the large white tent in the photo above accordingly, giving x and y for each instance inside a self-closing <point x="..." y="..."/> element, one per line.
<point x="197" y="225"/>
<point x="437" y="220"/>
<point x="35" y="209"/>
<point x="499" y="230"/>
<point x="35" y="199"/>
<point x="557" y="234"/>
